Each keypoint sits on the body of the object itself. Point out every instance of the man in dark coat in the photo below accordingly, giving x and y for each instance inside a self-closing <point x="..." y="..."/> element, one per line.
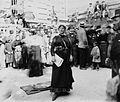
<point x="73" y="39"/>
<point x="114" y="50"/>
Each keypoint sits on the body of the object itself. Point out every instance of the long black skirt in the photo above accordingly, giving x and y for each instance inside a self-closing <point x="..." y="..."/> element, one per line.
<point x="62" y="78"/>
<point x="34" y="62"/>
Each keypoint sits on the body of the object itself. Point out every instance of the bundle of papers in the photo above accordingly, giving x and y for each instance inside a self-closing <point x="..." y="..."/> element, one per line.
<point x="58" y="60"/>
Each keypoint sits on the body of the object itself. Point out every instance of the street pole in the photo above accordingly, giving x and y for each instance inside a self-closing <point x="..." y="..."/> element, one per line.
<point x="65" y="10"/>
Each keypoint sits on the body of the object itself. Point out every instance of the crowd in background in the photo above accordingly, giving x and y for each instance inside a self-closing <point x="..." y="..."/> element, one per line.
<point x="15" y="45"/>
<point x="20" y="48"/>
<point x="32" y="43"/>
<point x="98" y="10"/>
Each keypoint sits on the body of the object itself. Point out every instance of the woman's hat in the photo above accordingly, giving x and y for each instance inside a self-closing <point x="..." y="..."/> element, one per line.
<point x="108" y="27"/>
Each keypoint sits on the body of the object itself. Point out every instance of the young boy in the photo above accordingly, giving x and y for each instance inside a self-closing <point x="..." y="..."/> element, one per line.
<point x="96" y="56"/>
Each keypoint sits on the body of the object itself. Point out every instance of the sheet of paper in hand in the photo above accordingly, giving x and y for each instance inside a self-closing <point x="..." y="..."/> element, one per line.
<point x="58" y="60"/>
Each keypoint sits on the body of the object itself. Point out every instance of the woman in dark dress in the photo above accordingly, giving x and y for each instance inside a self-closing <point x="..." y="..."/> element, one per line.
<point x="62" y="78"/>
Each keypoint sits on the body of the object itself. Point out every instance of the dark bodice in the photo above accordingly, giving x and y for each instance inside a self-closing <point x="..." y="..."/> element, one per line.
<point x="61" y="46"/>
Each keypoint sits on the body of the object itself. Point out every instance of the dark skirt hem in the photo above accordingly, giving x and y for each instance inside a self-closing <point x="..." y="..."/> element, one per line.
<point x="60" y="90"/>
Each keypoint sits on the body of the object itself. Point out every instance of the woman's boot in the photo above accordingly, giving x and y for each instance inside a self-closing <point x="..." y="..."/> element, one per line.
<point x="55" y="95"/>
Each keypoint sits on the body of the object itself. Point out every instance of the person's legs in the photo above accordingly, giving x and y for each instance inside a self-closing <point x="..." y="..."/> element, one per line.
<point x="78" y="56"/>
<point x="6" y="65"/>
<point x="87" y="58"/>
<point x="81" y="57"/>
<point x="94" y="65"/>
<point x="97" y="66"/>
<point x="75" y="55"/>
<point x="115" y="68"/>
<point x="84" y="57"/>
<point x="11" y="64"/>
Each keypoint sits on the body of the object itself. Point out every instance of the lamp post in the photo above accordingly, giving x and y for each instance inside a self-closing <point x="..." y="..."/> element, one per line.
<point x="65" y="9"/>
<point x="13" y="4"/>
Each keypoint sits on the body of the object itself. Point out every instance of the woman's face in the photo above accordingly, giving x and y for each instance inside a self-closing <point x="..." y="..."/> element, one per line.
<point x="17" y="37"/>
<point x="61" y="30"/>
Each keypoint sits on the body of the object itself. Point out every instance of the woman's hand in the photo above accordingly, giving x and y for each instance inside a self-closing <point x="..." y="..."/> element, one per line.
<point x="107" y="61"/>
<point x="53" y="59"/>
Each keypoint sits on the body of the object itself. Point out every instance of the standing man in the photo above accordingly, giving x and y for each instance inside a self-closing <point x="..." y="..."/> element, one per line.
<point x="114" y="50"/>
<point x="73" y="39"/>
<point x="82" y="45"/>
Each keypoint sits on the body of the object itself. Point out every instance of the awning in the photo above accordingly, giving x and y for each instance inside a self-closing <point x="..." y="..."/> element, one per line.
<point x="29" y="15"/>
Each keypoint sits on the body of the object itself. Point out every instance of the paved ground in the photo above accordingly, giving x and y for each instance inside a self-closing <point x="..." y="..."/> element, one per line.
<point x="89" y="86"/>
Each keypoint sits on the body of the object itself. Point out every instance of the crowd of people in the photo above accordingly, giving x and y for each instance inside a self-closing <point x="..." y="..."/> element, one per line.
<point x="99" y="10"/>
<point x="25" y="46"/>
<point x="87" y="43"/>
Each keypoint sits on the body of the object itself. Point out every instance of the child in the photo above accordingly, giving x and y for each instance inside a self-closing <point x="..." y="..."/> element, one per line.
<point x="96" y="56"/>
<point x="8" y="53"/>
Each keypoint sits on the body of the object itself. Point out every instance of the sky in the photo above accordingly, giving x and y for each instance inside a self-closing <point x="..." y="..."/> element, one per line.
<point x="4" y="3"/>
